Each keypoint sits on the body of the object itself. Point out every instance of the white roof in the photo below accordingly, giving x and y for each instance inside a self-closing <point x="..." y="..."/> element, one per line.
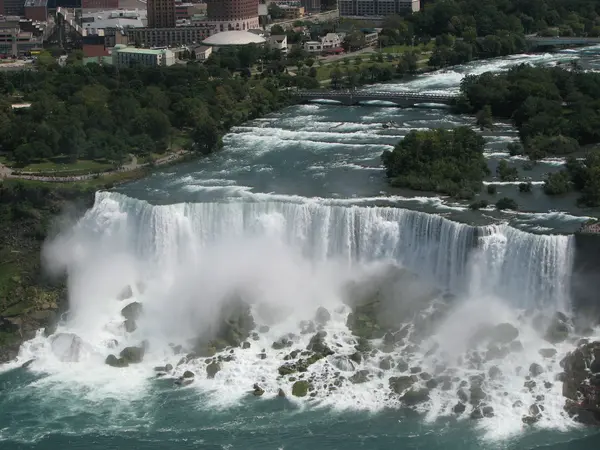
<point x="233" y="38"/>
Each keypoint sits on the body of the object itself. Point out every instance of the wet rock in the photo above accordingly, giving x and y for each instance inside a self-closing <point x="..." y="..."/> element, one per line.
<point x="477" y="414"/>
<point x="534" y="410"/>
<point x="401" y="365"/>
<point x="431" y="384"/>
<point x="558" y="330"/>
<point x="415" y="396"/>
<point x="212" y="369"/>
<point x="307" y="327"/>
<point x="425" y="376"/>
<point x="459" y="408"/>
<point x="415" y="370"/>
<point x="113" y="361"/>
<point x="133" y="355"/>
<point x="363" y="345"/>
<point x="477" y="395"/>
<point x="125" y="293"/>
<point x="282" y="343"/>
<point x="356" y="357"/>
<point x="494" y="372"/>
<point x="400" y="384"/>
<point x="496" y="352"/>
<point x="529" y="420"/>
<point x="280" y="393"/>
<point x="245" y="345"/>
<point x="487" y="411"/>
<point x="264" y="329"/>
<point x="535" y="369"/>
<point x="66" y="347"/>
<point x="530" y="384"/>
<point x="516" y="346"/>
<point x="188" y="374"/>
<point x="130" y="325"/>
<point x="257" y="390"/>
<point x="317" y="344"/>
<point x="548" y="385"/>
<point x="504" y="333"/>
<point x="300" y="388"/>
<point x="362" y="376"/>
<point x="517" y="404"/>
<point x="386" y="363"/>
<point x="547" y="352"/>
<point x="132" y="311"/>
<point x="462" y="395"/>
<point x="322" y="316"/>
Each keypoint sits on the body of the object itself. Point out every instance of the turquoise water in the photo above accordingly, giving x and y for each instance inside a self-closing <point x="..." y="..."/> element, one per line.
<point x="165" y="418"/>
<point x="295" y="205"/>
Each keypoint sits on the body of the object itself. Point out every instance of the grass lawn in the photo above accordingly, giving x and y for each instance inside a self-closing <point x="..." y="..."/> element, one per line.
<point x="61" y="164"/>
<point x="405" y="48"/>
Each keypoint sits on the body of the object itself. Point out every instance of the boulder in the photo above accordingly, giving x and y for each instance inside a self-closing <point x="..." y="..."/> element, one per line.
<point x="415" y="396"/>
<point x="132" y="311"/>
<point x="477" y="395"/>
<point x="130" y="325"/>
<point x="516" y="346"/>
<point x="113" y="361"/>
<point x="280" y="393"/>
<point x="188" y="374"/>
<point x="580" y="385"/>
<point x="504" y="333"/>
<point x="343" y="363"/>
<point x="257" y="391"/>
<point x="322" y="316"/>
<point x="317" y="344"/>
<point x="300" y="388"/>
<point x="547" y="352"/>
<point x="212" y="369"/>
<point x="386" y="363"/>
<point x="281" y="343"/>
<point x="133" y="355"/>
<point x="263" y="329"/>
<point x="400" y="384"/>
<point x="401" y="365"/>
<point x="307" y="327"/>
<point x="494" y="372"/>
<point x="459" y="408"/>
<point x="535" y="369"/>
<point x="245" y="345"/>
<point x="356" y="357"/>
<point x="362" y="376"/>
<point x="558" y="330"/>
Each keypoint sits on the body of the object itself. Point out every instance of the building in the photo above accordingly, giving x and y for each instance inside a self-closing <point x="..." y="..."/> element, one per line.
<point x="330" y="43"/>
<point x="99" y="4"/>
<point x="15" y="41"/>
<point x="169" y="37"/>
<point x="233" y="39"/>
<point x="161" y="13"/>
<point x="291" y="12"/>
<point x="110" y="27"/>
<point x="189" y="10"/>
<point x="12" y="7"/>
<point x="123" y="56"/>
<point x="36" y="10"/>
<point x="311" y="6"/>
<point x="202" y="52"/>
<point x="279" y="42"/>
<point x="376" y="8"/>
<point x="229" y="15"/>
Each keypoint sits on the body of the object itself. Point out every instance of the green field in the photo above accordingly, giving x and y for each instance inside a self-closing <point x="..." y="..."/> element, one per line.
<point x="59" y="164"/>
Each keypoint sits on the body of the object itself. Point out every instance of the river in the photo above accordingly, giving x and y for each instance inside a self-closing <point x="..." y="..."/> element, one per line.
<point x="294" y="207"/>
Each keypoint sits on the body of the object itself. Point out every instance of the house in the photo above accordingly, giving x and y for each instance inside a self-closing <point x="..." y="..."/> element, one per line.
<point x="202" y="52"/>
<point x="327" y="43"/>
<point x="279" y="42"/>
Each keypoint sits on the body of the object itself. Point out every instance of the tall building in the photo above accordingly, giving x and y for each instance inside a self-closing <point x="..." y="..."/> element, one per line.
<point x="233" y="14"/>
<point x="161" y="13"/>
<point x="378" y="8"/>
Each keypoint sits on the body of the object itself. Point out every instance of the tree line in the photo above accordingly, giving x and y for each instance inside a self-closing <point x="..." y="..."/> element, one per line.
<point x="557" y="113"/>
<point x="103" y="112"/>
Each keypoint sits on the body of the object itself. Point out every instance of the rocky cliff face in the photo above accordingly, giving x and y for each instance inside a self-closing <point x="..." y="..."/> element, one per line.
<point x="585" y="282"/>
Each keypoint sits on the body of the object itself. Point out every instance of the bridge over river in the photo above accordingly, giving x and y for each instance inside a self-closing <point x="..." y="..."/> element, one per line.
<point x="400" y="99"/>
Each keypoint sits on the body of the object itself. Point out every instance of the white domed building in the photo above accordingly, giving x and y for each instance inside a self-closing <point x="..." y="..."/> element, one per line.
<point x="233" y="39"/>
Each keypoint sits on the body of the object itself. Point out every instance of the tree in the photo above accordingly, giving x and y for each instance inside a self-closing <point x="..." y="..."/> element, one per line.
<point x="506" y="173"/>
<point x="206" y="137"/>
<point x="506" y="203"/>
<point x="484" y="118"/>
<point x="354" y="41"/>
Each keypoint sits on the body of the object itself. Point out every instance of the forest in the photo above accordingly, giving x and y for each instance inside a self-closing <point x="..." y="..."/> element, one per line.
<point x="557" y="113"/>
<point x="103" y="113"/>
<point x="438" y="160"/>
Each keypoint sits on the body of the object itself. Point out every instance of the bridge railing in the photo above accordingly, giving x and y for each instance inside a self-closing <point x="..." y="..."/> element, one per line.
<point x="381" y="94"/>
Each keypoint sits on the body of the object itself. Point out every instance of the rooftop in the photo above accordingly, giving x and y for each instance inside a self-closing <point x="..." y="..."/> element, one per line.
<point x="234" y="38"/>
<point x="114" y="19"/>
<point x="34" y="3"/>
<point x="144" y="51"/>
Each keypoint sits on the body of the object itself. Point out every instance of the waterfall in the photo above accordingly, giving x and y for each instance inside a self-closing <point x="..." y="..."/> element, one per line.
<point x="525" y="269"/>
